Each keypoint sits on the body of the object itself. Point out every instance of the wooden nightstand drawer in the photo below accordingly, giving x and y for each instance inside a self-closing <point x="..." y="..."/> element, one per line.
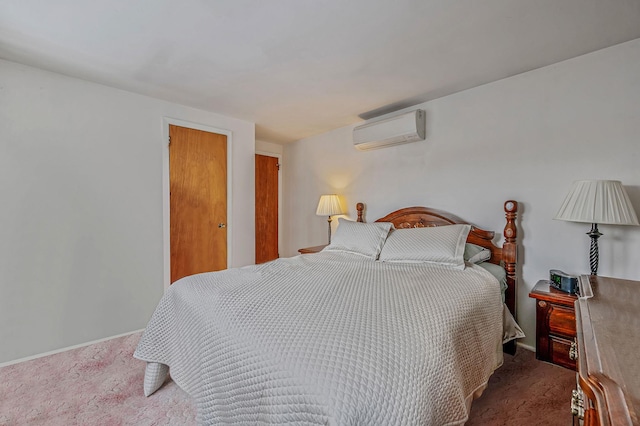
<point x="562" y="320"/>
<point x="559" y="351"/>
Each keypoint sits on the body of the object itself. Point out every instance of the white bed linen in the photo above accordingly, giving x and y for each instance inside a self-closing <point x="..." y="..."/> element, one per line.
<point x="330" y="338"/>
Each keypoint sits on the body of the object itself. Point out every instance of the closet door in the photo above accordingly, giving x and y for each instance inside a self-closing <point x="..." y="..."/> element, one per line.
<point x="267" y="172"/>
<point x="198" y="201"/>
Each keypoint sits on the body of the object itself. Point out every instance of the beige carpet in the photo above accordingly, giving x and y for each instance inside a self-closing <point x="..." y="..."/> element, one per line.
<point x="525" y="391"/>
<point x="101" y="384"/>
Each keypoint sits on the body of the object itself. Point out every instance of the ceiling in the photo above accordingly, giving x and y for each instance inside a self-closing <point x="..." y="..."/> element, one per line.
<point x="302" y="67"/>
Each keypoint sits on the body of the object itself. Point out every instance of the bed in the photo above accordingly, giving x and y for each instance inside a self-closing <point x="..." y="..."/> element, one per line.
<point x="368" y="331"/>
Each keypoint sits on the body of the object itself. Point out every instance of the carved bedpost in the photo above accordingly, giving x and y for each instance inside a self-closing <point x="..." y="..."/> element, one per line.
<point x="360" y="208"/>
<point x="510" y="258"/>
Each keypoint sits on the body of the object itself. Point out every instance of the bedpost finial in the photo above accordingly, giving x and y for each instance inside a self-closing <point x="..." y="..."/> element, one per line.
<point x="360" y="209"/>
<point x="511" y="209"/>
<point x="510" y="206"/>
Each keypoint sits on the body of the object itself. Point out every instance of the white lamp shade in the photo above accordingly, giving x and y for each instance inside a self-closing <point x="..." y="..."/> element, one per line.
<point x="598" y="201"/>
<point x="329" y="205"/>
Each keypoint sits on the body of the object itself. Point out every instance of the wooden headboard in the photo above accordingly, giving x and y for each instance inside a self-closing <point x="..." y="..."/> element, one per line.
<point x="418" y="217"/>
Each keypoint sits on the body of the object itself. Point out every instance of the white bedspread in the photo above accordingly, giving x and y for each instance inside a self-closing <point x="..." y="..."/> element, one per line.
<point x="330" y="339"/>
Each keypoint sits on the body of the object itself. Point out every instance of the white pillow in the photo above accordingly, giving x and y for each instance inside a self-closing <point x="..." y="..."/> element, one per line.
<point x="441" y="244"/>
<point x="154" y="376"/>
<point x="365" y="239"/>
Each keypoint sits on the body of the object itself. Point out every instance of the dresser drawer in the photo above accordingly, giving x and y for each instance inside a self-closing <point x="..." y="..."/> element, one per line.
<point x="562" y="321"/>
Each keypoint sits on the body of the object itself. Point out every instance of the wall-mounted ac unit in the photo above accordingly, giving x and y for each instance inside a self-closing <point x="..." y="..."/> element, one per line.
<point x="403" y="128"/>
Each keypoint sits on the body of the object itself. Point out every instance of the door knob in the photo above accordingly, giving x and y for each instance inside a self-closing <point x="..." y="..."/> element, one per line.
<point x="222" y="225"/>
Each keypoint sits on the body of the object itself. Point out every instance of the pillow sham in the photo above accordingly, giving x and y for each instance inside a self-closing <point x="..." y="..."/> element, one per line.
<point x="365" y="239"/>
<point x="474" y="253"/>
<point x="442" y="245"/>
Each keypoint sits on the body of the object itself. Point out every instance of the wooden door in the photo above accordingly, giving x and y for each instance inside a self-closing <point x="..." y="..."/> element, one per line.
<point x="266" y="208"/>
<point x="198" y="201"/>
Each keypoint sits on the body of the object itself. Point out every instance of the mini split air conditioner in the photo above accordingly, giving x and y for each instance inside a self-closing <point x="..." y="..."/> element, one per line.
<point x="402" y="128"/>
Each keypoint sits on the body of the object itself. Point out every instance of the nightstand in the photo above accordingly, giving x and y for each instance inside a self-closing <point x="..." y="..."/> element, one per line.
<point x="555" y="324"/>
<point x="314" y="249"/>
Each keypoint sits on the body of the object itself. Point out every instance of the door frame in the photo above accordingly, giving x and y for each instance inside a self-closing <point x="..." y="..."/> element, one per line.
<point x="166" y="227"/>
<point x="279" y="157"/>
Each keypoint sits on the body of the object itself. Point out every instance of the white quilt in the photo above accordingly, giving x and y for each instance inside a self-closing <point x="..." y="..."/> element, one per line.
<point x="330" y="339"/>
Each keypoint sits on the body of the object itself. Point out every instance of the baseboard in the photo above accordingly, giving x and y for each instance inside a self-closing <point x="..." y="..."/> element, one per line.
<point x="68" y="348"/>
<point x="527" y="347"/>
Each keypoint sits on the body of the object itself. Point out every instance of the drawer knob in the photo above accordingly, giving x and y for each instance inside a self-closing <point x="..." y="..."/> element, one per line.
<point x="573" y="351"/>
<point x="542" y="303"/>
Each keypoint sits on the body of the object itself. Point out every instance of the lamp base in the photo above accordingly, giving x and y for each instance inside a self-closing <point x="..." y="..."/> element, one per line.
<point x="329" y="222"/>
<point x="593" y="251"/>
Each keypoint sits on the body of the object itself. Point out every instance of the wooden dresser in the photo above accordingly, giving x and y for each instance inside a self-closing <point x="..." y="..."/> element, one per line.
<point x="608" y="337"/>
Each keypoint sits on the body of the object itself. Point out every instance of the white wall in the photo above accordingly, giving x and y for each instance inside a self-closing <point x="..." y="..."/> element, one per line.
<point x="269" y="147"/>
<point x="524" y="138"/>
<point x="81" y="240"/>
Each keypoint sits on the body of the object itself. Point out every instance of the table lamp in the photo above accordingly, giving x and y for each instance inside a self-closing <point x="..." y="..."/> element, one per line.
<point x="597" y="202"/>
<point x="329" y="205"/>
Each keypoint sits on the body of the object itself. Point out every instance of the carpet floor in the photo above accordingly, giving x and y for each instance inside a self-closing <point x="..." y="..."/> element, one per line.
<point x="101" y="384"/>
